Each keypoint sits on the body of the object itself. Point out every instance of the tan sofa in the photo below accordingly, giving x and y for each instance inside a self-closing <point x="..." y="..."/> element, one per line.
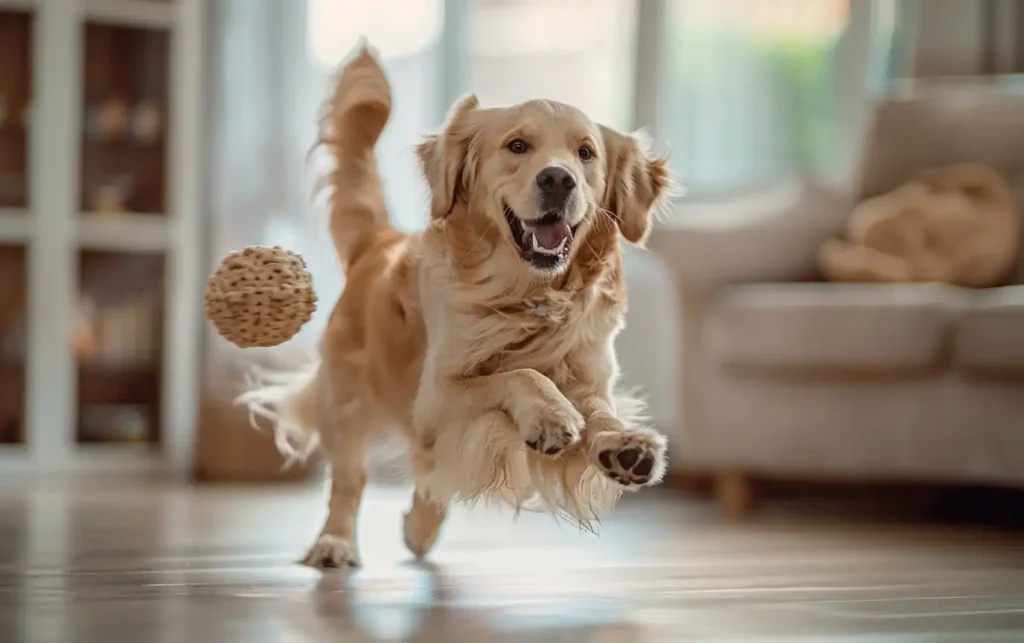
<point x="782" y="376"/>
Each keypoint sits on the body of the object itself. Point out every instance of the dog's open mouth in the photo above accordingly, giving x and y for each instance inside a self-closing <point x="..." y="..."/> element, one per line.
<point x="543" y="243"/>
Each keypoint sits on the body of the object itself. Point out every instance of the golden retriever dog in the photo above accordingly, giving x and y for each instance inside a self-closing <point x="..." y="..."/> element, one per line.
<point x="487" y="339"/>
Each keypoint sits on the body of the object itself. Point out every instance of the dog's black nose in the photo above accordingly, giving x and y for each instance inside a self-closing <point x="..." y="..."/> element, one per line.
<point x="556" y="184"/>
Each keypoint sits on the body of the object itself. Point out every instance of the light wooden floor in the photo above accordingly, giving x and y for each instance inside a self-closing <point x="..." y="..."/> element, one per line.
<point x="215" y="565"/>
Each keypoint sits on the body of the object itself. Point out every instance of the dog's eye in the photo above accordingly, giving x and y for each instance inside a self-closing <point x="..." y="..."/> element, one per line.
<point x="517" y="146"/>
<point x="585" y="153"/>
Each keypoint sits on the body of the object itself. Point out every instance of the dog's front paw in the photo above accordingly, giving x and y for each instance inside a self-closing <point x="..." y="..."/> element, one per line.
<point x="552" y="426"/>
<point x="332" y="551"/>
<point x="631" y="458"/>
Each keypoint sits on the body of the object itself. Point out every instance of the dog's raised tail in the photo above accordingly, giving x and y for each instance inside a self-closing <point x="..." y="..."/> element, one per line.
<point x="351" y="120"/>
<point x="290" y="402"/>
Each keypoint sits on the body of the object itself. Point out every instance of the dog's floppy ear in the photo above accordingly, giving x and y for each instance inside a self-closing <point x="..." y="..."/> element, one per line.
<point x="636" y="183"/>
<point x="445" y="158"/>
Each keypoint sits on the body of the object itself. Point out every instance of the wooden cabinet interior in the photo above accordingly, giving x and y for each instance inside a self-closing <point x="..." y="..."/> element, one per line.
<point x="124" y="127"/>
<point x="15" y="105"/>
<point x="12" y="344"/>
<point x="118" y="343"/>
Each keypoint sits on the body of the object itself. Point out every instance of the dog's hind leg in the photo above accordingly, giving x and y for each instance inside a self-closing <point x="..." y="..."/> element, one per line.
<point x="426" y="515"/>
<point x="423" y="524"/>
<point x="345" y="445"/>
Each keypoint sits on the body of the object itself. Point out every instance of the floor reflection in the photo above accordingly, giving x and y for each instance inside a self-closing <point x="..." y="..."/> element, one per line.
<point x="428" y="607"/>
<point x="170" y="565"/>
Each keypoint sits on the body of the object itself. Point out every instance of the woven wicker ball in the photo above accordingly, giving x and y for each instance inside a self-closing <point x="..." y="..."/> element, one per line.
<point x="260" y="296"/>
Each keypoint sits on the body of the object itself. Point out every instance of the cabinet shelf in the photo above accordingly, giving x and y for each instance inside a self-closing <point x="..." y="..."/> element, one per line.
<point x="130" y="232"/>
<point x="138" y="13"/>
<point x="18" y="5"/>
<point x="118" y="403"/>
<point x="15" y="225"/>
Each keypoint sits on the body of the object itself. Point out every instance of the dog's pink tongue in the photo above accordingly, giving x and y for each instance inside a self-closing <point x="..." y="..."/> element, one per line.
<point x="549" y="235"/>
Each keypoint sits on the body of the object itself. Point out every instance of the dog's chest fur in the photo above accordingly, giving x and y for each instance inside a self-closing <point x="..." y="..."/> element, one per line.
<point x="542" y="331"/>
<point x="484" y="317"/>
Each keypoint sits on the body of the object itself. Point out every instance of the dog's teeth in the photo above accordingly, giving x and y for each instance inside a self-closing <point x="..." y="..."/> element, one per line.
<point x="561" y="245"/>
<point x="536" y="244"/>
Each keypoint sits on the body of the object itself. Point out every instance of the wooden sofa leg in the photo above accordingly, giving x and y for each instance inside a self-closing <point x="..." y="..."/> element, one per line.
<point x="735" y="493"/>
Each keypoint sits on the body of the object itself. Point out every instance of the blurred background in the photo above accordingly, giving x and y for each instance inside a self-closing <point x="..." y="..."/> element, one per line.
<point x="141" y="140"/>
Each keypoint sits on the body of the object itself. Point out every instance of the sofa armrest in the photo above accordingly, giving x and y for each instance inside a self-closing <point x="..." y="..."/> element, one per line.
<point x="773" y="235"/>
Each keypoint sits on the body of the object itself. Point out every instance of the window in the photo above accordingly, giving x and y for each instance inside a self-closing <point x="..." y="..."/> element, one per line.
<point x="575" y="51"/>
<point x="741" y="91"/>
<point x="748" y="89"/>
<point x="407" y="34"/>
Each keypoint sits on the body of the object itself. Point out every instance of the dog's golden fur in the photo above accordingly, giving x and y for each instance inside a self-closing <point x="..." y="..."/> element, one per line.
<point x="501" y="376"/>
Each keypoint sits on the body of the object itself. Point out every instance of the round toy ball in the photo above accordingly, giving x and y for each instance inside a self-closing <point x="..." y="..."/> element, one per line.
<point x="260" y="296"/>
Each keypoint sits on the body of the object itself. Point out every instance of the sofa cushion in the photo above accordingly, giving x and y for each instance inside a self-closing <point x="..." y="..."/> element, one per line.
<point x="837" y="327"/>
<point x="990" y="336"/>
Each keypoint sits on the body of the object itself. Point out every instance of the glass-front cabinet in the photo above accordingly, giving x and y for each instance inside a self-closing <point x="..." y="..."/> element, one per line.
<point x="100" y="255"/>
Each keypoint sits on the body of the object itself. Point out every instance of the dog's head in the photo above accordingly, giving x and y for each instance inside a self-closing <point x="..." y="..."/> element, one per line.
<point x="541" y="172"/>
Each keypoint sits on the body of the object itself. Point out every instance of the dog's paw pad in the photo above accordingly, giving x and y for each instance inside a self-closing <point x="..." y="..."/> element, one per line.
<point x="631" y="459"/>
<point x="332" y="551"/>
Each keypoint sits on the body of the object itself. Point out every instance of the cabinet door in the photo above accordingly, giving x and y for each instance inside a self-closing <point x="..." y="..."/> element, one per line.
<point x="118" y="341"/>
<point x="125" y="124"/>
